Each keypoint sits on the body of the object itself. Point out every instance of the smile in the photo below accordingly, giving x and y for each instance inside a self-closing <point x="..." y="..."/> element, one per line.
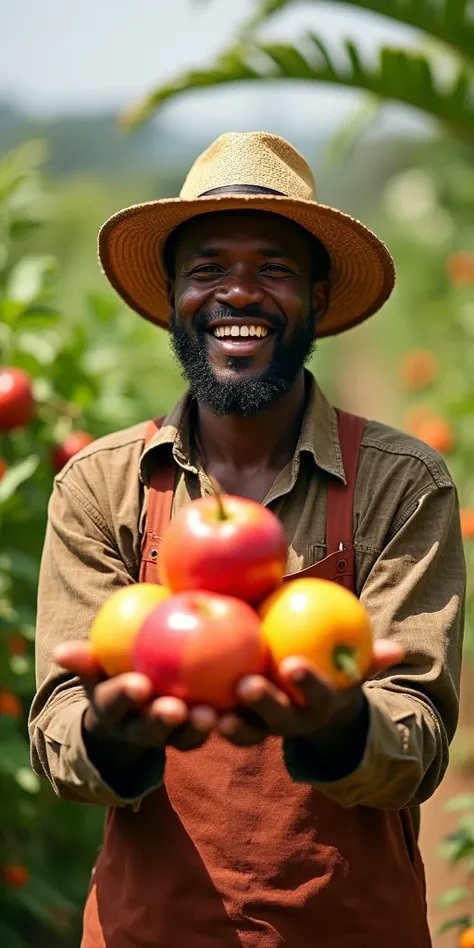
<point x="243" y="331"/>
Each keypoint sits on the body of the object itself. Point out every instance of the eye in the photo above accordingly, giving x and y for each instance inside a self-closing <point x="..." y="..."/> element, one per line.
<point x="206" y="270"/>
<point x="277" y="269"/>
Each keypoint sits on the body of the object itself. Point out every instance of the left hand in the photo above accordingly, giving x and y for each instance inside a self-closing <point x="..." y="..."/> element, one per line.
<point x="269" y="710"/>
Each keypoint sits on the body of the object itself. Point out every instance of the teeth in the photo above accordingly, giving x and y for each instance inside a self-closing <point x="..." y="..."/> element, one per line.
<point x="259" y="331"/>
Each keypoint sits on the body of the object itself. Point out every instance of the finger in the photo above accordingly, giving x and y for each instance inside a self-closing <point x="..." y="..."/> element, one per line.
<point x="385" y="655"/>
<point x="78" y="658"/>
<point x="267" y="701"/>
<point x="153" y="726"/>
<point x="194" y="733"/>
<point x="240" y="731"/>
<point x="115" y="698"/>
<point x="315" y="689"/>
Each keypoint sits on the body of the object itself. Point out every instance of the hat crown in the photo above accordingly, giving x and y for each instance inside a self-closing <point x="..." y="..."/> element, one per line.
<point x="257" y="159"/>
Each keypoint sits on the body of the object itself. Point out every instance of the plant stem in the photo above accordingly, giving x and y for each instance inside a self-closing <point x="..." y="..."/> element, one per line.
<point x="344" y="659"/>
<point x="221" y="513"/>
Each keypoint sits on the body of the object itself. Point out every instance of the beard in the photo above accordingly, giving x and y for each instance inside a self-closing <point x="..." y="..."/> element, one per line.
<point x="244" y="396"/>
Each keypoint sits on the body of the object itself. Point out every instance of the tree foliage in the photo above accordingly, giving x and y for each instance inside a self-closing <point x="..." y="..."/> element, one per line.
<point x="409" y="76"/>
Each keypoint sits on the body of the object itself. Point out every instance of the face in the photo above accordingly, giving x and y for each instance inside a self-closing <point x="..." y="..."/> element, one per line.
<point x="244" y="309"/>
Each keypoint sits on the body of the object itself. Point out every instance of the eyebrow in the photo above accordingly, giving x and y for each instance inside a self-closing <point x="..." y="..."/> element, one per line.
<point x="210" y="253"/>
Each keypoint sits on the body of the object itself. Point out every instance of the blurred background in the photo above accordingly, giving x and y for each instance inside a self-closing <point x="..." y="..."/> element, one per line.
<point x="102" y="105"/>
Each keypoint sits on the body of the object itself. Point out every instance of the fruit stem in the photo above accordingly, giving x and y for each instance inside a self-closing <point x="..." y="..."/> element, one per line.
<point x="343" y="658"/>
<point x="221" y="514"/>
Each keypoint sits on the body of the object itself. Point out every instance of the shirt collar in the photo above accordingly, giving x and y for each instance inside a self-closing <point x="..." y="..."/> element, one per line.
<point x="319" y="436"/>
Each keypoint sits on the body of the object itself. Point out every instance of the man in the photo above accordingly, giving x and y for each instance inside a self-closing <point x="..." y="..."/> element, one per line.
<point x="274" y="824"/>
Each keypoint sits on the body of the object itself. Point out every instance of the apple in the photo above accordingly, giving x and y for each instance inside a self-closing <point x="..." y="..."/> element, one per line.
<point x="16" y="399"/>
<point x="198" y="645"/>
<point x="224" y="544"/>
<point x="74" y="442"/>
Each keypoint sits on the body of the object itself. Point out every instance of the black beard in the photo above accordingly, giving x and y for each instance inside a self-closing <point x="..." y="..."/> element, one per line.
<point x="244" y="396"/>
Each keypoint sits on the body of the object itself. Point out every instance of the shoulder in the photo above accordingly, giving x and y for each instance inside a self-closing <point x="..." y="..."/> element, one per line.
<point x="398" y="455"/>
<point x="104" y="476"/>
<point x="396" y="472"/>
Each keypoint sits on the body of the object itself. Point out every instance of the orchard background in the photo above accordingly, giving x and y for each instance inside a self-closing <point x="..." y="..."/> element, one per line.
<point x="95" y="367"/>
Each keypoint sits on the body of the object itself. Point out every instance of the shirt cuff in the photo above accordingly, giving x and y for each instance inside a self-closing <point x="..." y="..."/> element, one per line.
<point x="76" y="776"/>
<point x="370" y="779"/>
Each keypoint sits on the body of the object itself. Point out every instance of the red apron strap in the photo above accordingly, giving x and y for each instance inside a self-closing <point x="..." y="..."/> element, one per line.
<point x="160" y="500"/>
<point x="340" y="501"/>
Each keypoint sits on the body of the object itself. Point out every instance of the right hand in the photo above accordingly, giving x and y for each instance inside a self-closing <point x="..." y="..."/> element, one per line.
<point x="123" y="711"/>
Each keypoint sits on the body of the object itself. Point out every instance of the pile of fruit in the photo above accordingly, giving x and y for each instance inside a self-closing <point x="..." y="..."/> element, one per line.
<point x="220" y="610"/>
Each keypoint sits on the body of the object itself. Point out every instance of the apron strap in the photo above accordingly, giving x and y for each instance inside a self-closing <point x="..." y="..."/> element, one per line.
<point x="160" y="500"/>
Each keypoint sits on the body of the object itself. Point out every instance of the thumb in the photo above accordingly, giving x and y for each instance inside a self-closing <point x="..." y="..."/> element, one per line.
<point x="385" y="654"/>
<point x="78" y="658"/>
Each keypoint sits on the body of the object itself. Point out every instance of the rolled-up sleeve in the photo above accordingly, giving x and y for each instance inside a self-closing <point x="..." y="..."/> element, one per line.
<point x="415" y="596"/>
<point x="81" y="567"/>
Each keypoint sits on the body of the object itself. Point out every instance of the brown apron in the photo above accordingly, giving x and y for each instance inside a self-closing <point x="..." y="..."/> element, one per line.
<point x="230" y="852"/>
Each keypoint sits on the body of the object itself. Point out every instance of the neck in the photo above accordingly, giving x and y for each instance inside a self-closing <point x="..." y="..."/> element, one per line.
<point x="268" y="438"/>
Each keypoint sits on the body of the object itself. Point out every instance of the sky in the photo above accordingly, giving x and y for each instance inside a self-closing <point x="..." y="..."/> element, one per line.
<point x="94" y="55"/>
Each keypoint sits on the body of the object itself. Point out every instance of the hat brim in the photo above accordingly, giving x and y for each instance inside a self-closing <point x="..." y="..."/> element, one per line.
<point x="131" y="245"/>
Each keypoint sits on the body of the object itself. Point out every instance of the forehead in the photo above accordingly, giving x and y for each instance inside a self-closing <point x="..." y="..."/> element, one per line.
<point x="242" y="228"/>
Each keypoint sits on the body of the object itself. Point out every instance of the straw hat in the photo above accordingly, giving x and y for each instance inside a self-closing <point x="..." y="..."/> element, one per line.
<point x="259" y="172"/>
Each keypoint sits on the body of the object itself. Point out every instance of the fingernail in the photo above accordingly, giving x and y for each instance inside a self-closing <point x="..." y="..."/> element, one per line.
<point x="227" y="725"/>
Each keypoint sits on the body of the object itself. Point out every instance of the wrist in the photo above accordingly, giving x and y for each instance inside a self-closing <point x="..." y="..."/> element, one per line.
<point x="334" y="751"/>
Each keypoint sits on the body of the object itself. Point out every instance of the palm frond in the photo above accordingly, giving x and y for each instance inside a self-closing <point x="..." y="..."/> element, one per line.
<point x="449" y="21"/>
<point x="398" y="74"/>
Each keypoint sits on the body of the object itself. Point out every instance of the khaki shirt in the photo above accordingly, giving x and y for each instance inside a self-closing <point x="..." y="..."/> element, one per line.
<point x="410" y="571"/>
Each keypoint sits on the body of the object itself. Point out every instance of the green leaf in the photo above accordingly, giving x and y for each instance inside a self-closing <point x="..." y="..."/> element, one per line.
<point x="448" y="21"/>
<point x="10" y="937"/>
<point x="399" y="75"/>
<point x="28" y="278"/>
<point x="27" y="780"/>
<point x="452" y="897"/>
<point x="17" y="474"/>
<point x="463" y="801"/>
<point x="461" y="921"/>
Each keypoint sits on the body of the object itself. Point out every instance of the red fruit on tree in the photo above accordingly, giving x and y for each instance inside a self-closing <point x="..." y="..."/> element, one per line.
<point x="16" y="399"/>
<point x="10" y="705"/>
<point x="224" y="544"/>
<point x="71" y="445"/>
<point x="3" y="467"/>
<point x="197" y="646"/>
<point x="15" y="875"/>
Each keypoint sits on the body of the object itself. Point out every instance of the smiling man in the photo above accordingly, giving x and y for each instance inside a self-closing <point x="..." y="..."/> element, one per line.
<point x="274" y="824"/>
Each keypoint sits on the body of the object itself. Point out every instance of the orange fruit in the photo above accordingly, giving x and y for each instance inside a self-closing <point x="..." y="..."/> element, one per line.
<point x="322" y="622"/>
<point x="467" y="523"/>
<point x="10" y="704"/>
<point x="116" y="625"/>
<point x="15" y="875"/>
<point x="17" y="645"/>
<point x="414" y="417"/>
<point x="460" y="268"/>
<point x="437" y="432"/>
<point x="418" y="368"/>
<point x="466" y="938"/>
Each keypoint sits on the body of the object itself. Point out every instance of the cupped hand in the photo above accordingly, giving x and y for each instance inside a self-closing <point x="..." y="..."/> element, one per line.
<point x="268" y="709"/>
<point x="123" y="710"/>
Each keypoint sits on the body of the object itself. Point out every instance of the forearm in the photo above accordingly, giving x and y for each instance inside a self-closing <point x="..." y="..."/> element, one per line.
<point x="86" y="769"/>
<point x="396" y="758"/>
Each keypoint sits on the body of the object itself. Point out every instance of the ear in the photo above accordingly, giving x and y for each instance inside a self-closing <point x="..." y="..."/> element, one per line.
<point x="320" y="299"/>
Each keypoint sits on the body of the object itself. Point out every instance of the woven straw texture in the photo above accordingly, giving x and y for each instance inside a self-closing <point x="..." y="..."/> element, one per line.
<point x="131" y="243"/>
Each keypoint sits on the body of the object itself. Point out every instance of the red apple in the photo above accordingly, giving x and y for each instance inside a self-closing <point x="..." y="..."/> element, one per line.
<point x="74" y="442"/>
<point x="197" y="646"/>
<point x="16" y="399"/>
<point x="230" y="545"/>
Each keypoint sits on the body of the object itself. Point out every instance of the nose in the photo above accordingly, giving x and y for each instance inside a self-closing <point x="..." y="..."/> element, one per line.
<point x="239" y="290"/>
